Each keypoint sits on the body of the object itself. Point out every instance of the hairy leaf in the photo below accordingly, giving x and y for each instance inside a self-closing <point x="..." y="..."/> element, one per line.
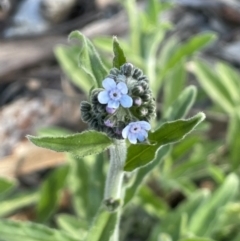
<point x="89" y="59"/>
<point x="182" y="104"/>
<point x="81" y="144"/>
<point x="103" y="226"/>
<point x="19" y="231"/>
<point x="119" y="57"/>
<point x="170" y="132"/>
<point x="50" y="193"/>
<point x="68" y="60"/>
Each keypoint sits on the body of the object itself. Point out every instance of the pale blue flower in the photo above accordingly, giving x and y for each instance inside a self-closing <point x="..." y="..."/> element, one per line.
<point x="114" y="94"/>
<point x="136" y="131"/>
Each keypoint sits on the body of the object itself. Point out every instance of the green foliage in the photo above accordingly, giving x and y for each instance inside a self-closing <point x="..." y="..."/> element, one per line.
<point x="89" y="60"/>
<point x="86" y="182"/>
<point x="18" y="231"/>
<point x="169" y="132"/>
<point x="50" y="194"/>
<point x="142" y="173"/>
<point x="68" y="59"/>
<point x="222" y="86"/>
<point x="199" y="215"/>
<point x="6" y="186"/>
<point x="103" y="226"/>
<point x="73" y="225"/>
<point x="82" y="144"/>
<point x="182" y="105"/>
<point x="205" y="218"/>
<point x="191" y="46"/>
<point x="119" y="58"/>
<point x="12" y="203"/>
<point x="215" y="86"/>
<point x="196" y="239"/>
<point x="156" y="172"/>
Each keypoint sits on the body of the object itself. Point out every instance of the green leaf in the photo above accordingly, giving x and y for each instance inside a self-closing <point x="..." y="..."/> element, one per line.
<point x="182" y="105"/>
<point x="151" y="48"/>
<point x="53" y="131"/>
<point x="170" y="132"/>
<point x="152" y="11"/>
<point x="78" y="184"/>
<point x="50" y="193"/>
<point x="89" y="59"/>
<point x="173" y="220"/>
<point x="183" y="148"/>
<point x="103" y="226"/>
<point x="67" y="57"/>
<point x="167" y="51"/>
<point x="196" y="43"/>
<point x="86" y="183"/>
<point x="142" y="173"/>
<point x="213" y="85"/>
<point x="73" y="225"/>
<point x="105" y="44"/>
<point x="81" y="144"/>
<point x="134" y="24"/>
<point x="230" y="79"/>
<point x="205" y="218"/>
<point x="154" y="204"/>
<point x="119" y="57"/>
<point x="196" y="239"/>
<point x="6" y="185"/>
<point x="19" y="231"/>
<point x="233" y="139"/>
<point x="174" y="83"/>
<point x="17" y="201"/>
<point x="217" y="173"/>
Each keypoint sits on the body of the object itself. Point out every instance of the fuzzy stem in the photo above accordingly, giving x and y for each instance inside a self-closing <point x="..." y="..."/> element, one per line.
<point x="113" y="186"/>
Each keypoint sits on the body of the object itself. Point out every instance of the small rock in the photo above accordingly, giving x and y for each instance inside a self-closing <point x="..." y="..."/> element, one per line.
<point x="27" y="20"/>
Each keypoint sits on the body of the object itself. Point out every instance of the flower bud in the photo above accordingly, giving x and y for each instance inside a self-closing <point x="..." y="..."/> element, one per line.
<point x="110" y="121"/>
<point x="146" y="97"/>
<point x="110" y="110"/>
<point x="137" y="90"/>
<point x="143" y="111"/>
<point x="143" y="78"/>
<point x="127" y="69"/>
<point x="114" y="71"/>
<point x="86" y="116"/>
<point x="138" y="101"/>
<point x="137" y="73"/>
<point x="144" y="84"/>
<point x="94" y="123"/>
<point x="85" y="106"/>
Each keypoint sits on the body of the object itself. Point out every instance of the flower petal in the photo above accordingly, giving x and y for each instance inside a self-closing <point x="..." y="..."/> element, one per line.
<point x="113" y="104"/>
<point x="103" y="97"/>
<point x="132" y="138"/>
<point x="145" y="125"/>
<point x="125" y="131"/>
<point x="122" y="87"/>
<point x="126" y="101"/>
<point x="140" y="137"/>
<point x="109" y="84"/>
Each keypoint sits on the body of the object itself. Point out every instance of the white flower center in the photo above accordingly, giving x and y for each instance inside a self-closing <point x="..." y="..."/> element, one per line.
<point x="135" y="128"/>
<point x="115" y="94"/>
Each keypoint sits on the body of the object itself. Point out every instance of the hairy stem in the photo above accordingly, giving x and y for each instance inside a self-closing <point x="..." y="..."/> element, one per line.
<point x="113" y="187"/>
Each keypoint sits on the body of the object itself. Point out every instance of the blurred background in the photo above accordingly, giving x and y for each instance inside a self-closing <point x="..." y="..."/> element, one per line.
<point x="41" y="87"/>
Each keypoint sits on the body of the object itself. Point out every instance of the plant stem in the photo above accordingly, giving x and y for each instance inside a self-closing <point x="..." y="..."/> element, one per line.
<point x="113" y="187"/>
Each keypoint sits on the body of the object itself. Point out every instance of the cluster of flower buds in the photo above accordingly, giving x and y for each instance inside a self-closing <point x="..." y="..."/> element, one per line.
<point x="124" y="107"/>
